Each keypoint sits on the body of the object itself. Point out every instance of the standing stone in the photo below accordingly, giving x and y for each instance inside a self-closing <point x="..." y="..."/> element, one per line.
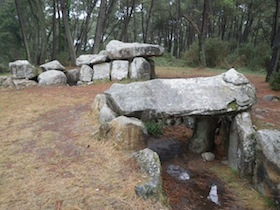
<point x="140" y="69"/>
<point x="149" y="163"/>
<point x="86" y="73"/>
<point x="267" y="169"/>
<point x="241" y="152"/>
<point x="125" y="133"/>
<point x="119" y="70"/>
<point x="22" y="69"/>
<point x="101" y="71"/>
<point x="52" y="77"/>
<point x="203" y="136"/>
<point x="53" y="65"/>
<point x="73" y="76"/>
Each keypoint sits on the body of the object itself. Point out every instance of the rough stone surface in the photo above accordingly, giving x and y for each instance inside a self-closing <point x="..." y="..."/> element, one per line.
<point x="101" y="71"/>
<point x="100" y="111"/>
<point x="52" y="65"/>
<point x="90" y="59"/>
<point x="119" y="70"/>
<point x="160" y="98"/>
<point x="22" y="69"/>
<point x="73" y="76"/>
<point x="84" y="59"/>
<point x="6" y="82"/>
<point x="241" y="152"/>
<point x="106" y="114"/>
<point x="22" y="83"/>
<point x="149" y="164"/>
<point x="140" y="69"/>
<point x="52" y="77"/>
<point x="100" y="58"/>
<point x="125" y="133"/>
<point x="86" y="73"/>
<point x="96" y="106"/>
<point x="120" y="50"/>
<point x="267" y="170"/>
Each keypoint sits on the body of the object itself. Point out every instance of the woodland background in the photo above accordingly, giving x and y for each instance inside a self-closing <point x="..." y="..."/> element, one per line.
<point x="220" y="33"/>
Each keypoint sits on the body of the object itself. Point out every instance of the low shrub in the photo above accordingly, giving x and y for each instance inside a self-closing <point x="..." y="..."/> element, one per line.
<point x="216" y="50"/>
<point x="154" y="128"/>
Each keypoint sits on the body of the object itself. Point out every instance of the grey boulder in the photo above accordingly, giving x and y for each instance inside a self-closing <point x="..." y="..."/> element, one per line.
<point x="267" y="169"/>
<point x="52" y="65"/>
<point x="22" y="69"/>
<point x="73" y="76"/>
<point x="52" y="77"/>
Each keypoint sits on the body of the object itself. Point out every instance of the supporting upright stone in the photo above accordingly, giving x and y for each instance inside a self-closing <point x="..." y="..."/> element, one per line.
<point x="241" y="152"/>
<point x="119" y="70"/>
<point x="101" y="71"/>
<point x="204" y="134"/>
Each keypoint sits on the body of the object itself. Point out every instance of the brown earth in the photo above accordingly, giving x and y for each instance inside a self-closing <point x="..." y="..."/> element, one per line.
<point x="60" y="170"/>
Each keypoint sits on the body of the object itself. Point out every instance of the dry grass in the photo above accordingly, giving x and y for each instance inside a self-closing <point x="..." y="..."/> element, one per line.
<point x="248" y="196"/>
<point x="46" y="167"/>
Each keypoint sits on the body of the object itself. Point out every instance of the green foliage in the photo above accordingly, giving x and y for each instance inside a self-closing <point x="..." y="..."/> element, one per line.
<point x="10" y="38"/>
<point x="274" y="81"/>
<point x="253" y="57"/>
<point x="216" y="50"/>
<point x="3" y="69"/>
<point x="154" y="128"/>
<point x="168" y="60"/>
<point x="219" y="55"/>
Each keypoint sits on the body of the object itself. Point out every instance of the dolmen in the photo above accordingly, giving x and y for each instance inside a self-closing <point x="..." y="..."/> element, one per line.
<point x="206" y="99"/>
<point x="220" y="105"/>
<point x="120" y="61"/>
<point x="117" y="62"/>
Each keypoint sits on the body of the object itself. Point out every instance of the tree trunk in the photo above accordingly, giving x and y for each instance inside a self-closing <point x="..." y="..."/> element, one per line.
<point x="129" y="11"/>
<point x="145" y="27"/>
<point x="274" y="62"/>
<point x="40" y="26"/>
<point x="22" y="27"/>
<point x="64" y="10"/>
<point x="54" y="26"/>
<point x="203" y="34"/>
<point x="100" y="26"/>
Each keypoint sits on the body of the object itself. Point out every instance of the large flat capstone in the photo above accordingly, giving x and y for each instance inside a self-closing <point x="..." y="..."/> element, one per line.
<point x="121" y="50"/>
<point x="203" y="96"/>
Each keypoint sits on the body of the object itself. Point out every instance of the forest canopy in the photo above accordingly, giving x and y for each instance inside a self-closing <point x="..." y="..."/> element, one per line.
<point x="220" y="33"/>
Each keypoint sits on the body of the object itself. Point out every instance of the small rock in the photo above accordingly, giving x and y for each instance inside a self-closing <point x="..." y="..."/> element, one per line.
<point x="213" y="195"/>
<point x="208" y="156"/>
<point x="270" y="98"/>
<point x="259" y="116"/>
<point x="177" y="172"/>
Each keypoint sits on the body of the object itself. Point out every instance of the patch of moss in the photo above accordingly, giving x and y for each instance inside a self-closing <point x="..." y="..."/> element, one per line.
<point x="233" y="106"/>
